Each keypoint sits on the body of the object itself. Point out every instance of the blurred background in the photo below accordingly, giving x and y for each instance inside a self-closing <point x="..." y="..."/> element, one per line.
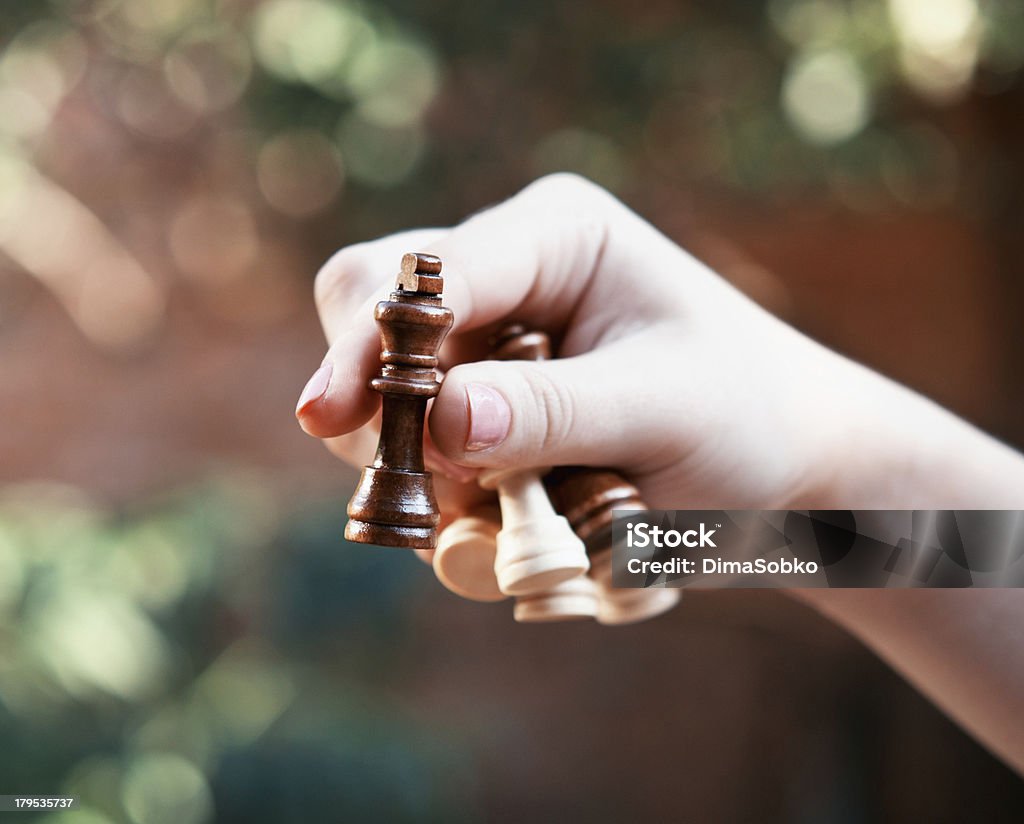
<point x="184" y="635"/>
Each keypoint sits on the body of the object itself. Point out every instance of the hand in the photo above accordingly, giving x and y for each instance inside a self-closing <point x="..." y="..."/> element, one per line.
<point x="665" y="371"/>
<point x="705" y="400"/>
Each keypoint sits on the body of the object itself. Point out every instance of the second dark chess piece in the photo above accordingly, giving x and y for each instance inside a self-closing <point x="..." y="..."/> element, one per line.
<point x="587" y="498"/>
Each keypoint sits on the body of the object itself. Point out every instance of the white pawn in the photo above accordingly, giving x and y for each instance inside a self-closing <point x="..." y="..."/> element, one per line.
<point x="537" y="549"/>
<point x="573" y="600"/>
<point x="464" y="559"/>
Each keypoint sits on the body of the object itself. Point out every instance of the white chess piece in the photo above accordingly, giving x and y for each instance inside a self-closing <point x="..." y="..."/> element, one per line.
<point x="537" y="549"/>
<point x="572" y="600"/>
<point x="464" y="559"/>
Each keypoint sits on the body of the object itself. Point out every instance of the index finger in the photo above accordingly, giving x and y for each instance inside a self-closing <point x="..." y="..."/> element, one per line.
<point x="544" y="256"/>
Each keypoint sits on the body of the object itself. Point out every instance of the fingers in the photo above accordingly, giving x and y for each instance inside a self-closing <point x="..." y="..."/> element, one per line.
<point x="588" y="410"/>
<point x="336" y="399"/>
<point x="542" y="257"/>
<point x="356" y="274"/>
<point x="358" y="447"/>
<point x="532" y="256"/>
<point x="454" y="485"/>
<point x="562" y="252"/>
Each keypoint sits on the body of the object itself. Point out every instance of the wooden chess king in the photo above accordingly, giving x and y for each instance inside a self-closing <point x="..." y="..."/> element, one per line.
<point x="394" y="503"/>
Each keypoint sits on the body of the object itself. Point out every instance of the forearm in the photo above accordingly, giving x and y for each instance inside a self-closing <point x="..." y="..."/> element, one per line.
<point x="960" y="647"/>
<point x="895" y="449"/>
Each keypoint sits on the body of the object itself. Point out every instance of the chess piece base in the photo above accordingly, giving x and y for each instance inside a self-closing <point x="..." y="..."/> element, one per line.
<point x="618" y="607"/>
<point x="559" y="556"/>
<point x="393" y="508"/>
<point x="464" y="561"/>
<point x="573" y="600"/>
<point x="403" y="537"/>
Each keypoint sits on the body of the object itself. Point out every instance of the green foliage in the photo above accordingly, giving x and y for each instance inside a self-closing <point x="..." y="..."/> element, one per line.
<point x="209" y="653"/>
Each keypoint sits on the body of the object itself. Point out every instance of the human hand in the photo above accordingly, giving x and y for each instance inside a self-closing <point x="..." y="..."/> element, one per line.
<point x="665" y="371"/>
<point x="702" y="398"/>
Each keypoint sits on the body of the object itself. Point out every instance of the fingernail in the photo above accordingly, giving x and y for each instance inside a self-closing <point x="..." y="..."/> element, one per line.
<point x="489" y="417"/>
<point x="315" y="388"/>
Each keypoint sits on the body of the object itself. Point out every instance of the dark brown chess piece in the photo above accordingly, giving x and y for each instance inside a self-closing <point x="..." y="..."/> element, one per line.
<point x="516" y="342"/>
<point x="587" y="497"/>
<point x="394" y="503"/>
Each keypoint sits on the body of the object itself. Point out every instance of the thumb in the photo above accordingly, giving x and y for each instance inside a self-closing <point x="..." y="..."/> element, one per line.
<point x="588" y="410"/>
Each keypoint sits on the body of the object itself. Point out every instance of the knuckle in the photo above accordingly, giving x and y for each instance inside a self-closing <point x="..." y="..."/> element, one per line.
<point x="576" y="203"/>
<point x="341" y="277"/>
<point x="567" y="186"/>
<point x="554" y="409"/>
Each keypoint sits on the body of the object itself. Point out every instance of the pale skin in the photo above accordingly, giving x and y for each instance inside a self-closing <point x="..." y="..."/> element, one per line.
<point x="701" y="397"/>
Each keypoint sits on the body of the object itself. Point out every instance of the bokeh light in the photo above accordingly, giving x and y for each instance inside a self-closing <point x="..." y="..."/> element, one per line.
<point x="826" y="96"/>
<point x="308" y="40"/>
<point x="95" y="641"/>
<point x="587" y="153"/>
<point x="209" y="68"/>
<point x="300" y="172"/>
<point x="214" y="238"/>
<point x="377" y="155"/>
<point x="242" y="693"/>
<point x="163" y="788"/>
<point x="113" y="300"/>
<point x="393" y="81"/>
<point x="939" y="42"/>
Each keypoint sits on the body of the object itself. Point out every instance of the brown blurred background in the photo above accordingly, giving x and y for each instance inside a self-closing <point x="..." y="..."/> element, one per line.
<point x="185" y="637"/>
